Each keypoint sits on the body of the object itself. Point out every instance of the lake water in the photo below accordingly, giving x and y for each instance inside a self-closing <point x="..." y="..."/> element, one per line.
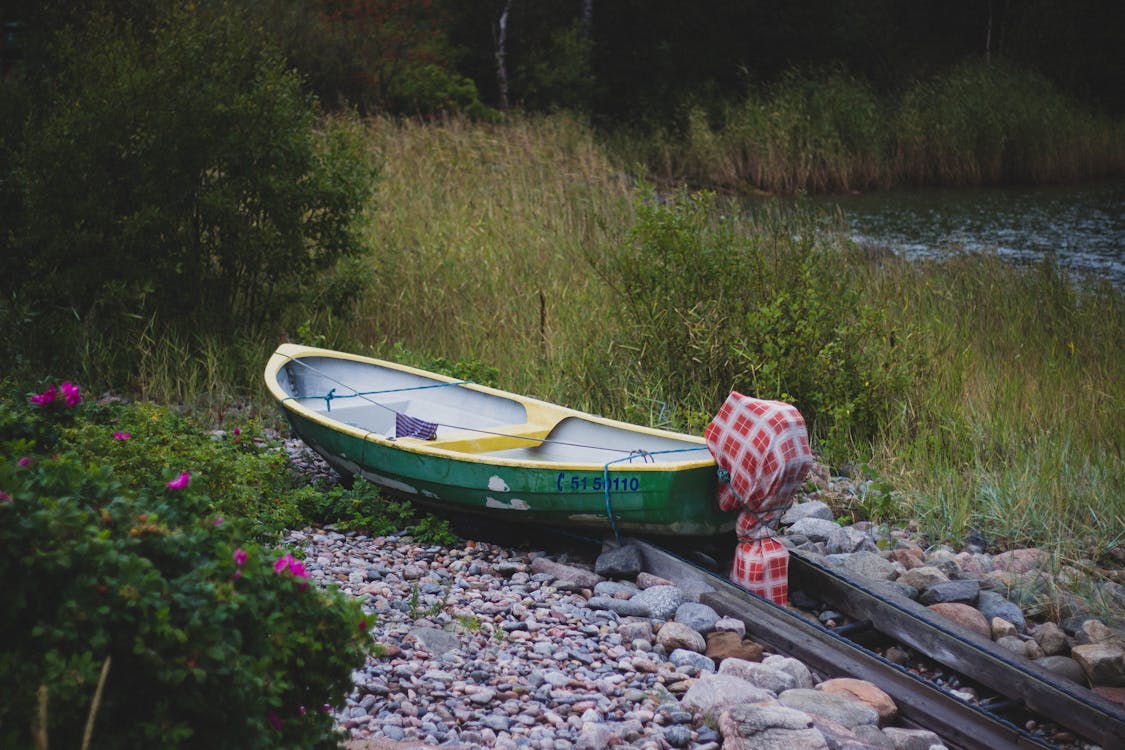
<point x="1083" y="225"/>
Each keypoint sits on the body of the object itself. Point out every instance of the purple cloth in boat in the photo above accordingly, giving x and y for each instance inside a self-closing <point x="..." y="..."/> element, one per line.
<point x="414" y="428"/>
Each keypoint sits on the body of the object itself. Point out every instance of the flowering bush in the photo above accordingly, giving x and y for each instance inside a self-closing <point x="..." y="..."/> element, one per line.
<point x="207" y="638"/>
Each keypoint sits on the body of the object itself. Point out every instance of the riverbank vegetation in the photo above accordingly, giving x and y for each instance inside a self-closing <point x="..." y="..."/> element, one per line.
<point x="828" y="131"/>
<point x="977" y="394"/>
<point x="184" y="186"/>
<point x="162" y="251"/>
<point x="981" y="395"/>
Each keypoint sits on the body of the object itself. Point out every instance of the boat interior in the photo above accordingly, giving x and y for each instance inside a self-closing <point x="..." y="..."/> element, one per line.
<point x="471" y="421"/>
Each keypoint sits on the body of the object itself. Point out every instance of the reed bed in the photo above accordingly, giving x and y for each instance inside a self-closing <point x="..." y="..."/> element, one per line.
<point x="824" y="130"/>
<point x="479" y="243"/>
<point x="980" y="395"/>
<point x="491" y="245"/>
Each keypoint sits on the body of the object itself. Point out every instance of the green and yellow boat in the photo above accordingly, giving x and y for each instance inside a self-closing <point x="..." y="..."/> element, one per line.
<point x="458" y="446"/>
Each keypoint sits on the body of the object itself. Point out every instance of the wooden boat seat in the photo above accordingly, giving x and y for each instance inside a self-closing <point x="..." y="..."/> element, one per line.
<point x="501" y="437"/>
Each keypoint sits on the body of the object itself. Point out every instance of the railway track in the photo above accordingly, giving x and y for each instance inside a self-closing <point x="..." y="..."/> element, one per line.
<point x="1019" y="688"/>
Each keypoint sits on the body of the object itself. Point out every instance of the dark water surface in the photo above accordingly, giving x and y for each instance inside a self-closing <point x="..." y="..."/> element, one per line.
<point x="1083" y="225"/>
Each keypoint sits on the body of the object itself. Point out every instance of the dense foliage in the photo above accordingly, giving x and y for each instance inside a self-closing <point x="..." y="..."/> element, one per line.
<point x="171" y="177"/>
<point x="136" y="598"/>
<point x="751" y="306"/>
<point x="135" y="541"/>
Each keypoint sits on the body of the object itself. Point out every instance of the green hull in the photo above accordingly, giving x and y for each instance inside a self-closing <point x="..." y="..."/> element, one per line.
<point x="493" y="453"/>
<point x="642" y="502"/>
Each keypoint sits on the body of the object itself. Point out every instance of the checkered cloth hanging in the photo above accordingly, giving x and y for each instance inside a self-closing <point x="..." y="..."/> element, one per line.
<point x="415" y="428"/>
<point x="762" y="449"/>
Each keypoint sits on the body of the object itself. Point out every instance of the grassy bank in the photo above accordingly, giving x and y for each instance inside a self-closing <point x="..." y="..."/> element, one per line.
<point x="978" y="395"/>
<point x="828" y="131"/>
<point x="984" y="396"/>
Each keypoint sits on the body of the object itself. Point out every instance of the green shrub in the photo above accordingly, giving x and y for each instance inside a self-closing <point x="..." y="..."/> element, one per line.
<point x="763" y="305"/>
<point x="245" y="474"/>
<point x="209" y="639"/>
<point x="173" y="177"/>
<point x="988" y="124"/>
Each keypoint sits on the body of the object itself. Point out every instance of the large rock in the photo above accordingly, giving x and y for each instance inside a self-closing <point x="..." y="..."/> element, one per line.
<point x="1001" y="628"/>
<point x="848" y="539"/>
<point x="622" y="562"/>
<point x="1104" y="663"/>
<point x="913" y="739"/>
<point x="847" y="711"/>
<point x="1065" y="667"/>
<point x="964" y="591"/>
<point x="1051" y="639"/>
<point x="648" y="580"/>
<point x="674" y="635"/>
<point x="660" y="601"/>
<point x="973" y="565"/>
<point x="683" y="657"/>
<point x="993" y="605"/>
<point x="871" y="565"/>
<point x="815" y="529"/>
<point x="732" y="624"/>
<point x="759" y="675"/>
<point x="811" y="509"/>
<point x="769" y="726"/>
<point x="725" y="644"/>
<point x="946" y="561"/>
<point x="698" y="617"/>
<point x="1092" y="631"/>
<point x="635" y="629"/>
<point x="579" y="577"/>
<point x="616" y="589"/>
<point x="793" y="667"/>
<point x="967" y="617"/>
<point x="623" y="607"/>
<point x="906" y="557"/>
<point x="922" y="578"/>
<point x="1021" y="560"/>
<point x="865" y="692"/>
<point x="712" y="694"/>
<point x="839" y="737"/>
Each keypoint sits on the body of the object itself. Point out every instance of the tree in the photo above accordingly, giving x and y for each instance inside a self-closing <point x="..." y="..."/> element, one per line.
<point x="178" y="176"/>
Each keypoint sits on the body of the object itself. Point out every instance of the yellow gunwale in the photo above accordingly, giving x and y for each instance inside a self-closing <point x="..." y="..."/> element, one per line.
<point x="542" y="418"/>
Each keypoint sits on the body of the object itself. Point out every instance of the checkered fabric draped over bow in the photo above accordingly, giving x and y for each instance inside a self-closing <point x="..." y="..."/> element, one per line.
<point x="762" y="450"/>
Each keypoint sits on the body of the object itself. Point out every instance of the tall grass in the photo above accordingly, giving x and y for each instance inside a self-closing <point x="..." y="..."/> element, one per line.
<point x="522" y="246"/>
<point x="823" y="130"/>
<point x="479" y="244"/>
<point x="1018" y="424"/>
<point x="987" y="396"/>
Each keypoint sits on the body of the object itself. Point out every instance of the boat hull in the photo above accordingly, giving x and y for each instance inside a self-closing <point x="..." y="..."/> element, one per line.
<point x="633" y="494"/>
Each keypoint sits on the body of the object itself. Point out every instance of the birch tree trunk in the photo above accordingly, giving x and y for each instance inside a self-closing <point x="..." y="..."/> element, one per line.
<point x="501" y="64"/>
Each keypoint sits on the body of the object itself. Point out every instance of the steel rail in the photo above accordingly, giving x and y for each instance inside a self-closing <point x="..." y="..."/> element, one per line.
<point x="920" y="703"/>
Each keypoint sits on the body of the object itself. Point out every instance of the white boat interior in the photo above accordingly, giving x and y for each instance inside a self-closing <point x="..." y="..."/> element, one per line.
<point x="368" y="396"/>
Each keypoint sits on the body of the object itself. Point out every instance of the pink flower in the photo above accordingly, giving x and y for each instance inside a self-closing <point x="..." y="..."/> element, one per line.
<point x="275" y="720"/>
<point x="218" y="521"/>
<point x="363" y="626"/>
<point x="24" y="462"/>
<point x="46" y="396"/>
<point x="72" y="393"/>
<point x="239" y="557"/>
<point x="180" y="482"/>
<point x="237" y="431"/>
<point x="295" y="567"/>
<point x="121" y="436"/>
<point x="5" y="497"/>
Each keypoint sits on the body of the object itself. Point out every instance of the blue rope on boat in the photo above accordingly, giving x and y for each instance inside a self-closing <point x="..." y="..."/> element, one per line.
<point x="331" y="395"/>
<point x="647" y="456"/>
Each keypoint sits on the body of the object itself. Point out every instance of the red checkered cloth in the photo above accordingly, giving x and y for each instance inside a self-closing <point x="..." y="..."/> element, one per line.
<point x="762" y="450"/>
